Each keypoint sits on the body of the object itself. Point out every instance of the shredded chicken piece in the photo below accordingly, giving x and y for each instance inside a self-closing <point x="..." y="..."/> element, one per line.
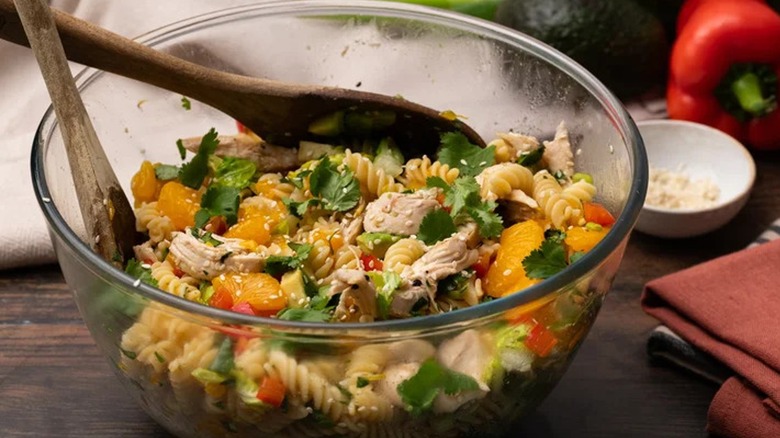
<point x="414" y="294"/>
<point x="558" y="154"/>
<point x="145" y="253"/>
<point x="447" y="257"/>
<point x="521" y="144"/>
<point x="205" y="262"/>
<point x="358" y="296"/>
<point x="399" y="213"/>
<point x="518" y="207"/>
<point x="267" y="157"/>
<point x="469" y="353"/>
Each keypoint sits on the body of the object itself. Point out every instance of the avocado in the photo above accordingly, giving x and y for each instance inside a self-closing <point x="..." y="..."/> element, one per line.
<point x="620" y="41"/>
<point x="293" y="285"/>
<point x="329" y="125"/>
<point x="389" y="157"/>
<point x="309" y="150"/>
<point x="376" y="244"/>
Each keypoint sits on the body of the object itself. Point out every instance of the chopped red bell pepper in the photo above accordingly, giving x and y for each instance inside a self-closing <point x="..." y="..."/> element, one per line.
<point x="240" y="345"/>
<point x="596" y="213"/>
<point x="221" y="299"/>
<point x="370" y="263"/>
<point x="244" y="308"/>
<point x="540" y="340"/>
<point x="482" y="265"/>
<point x="271" y="391"/>
<point x="724" y="70"/>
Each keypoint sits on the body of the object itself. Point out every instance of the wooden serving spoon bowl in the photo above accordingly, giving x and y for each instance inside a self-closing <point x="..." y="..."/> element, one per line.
<point x="281" y="113"/>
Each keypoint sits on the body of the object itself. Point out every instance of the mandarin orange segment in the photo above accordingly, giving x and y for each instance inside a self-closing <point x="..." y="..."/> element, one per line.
<point x="261" y="291"/>
<point x="144" y="185"/>
<point x="507" y="275"/>
<point x="256" y="229"/>
<point x="581" y="239"/>
<point x="179" y="203"/>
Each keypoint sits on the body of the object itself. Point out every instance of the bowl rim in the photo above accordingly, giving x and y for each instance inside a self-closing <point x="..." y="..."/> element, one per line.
<point x="612" y="107"/>
<point x="735" y="144"/>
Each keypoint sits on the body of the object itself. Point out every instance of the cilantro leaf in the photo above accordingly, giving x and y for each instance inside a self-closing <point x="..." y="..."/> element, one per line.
<point x="463" y="193"/>
<point x="298" y="209"/>
<point x="546" y="261"/>
<point x="463" y="197"/>
<point x="435" y="181"/>
<point x="456" y="151"/>
<point x="361" y="382"/>
<point x="530" y="158"/>
<point x="185" y="103"/>
<point x="193" y="173"/>
<point x="218" y="201"/>
<point x="435" y="226"/>
<point x="181" y="148"/>
<point x="489" y="223"/>
<point x="339" y="191"/>
<point x="235" y="172"/>
<point x="137" y="270"/>
<point x="419" y="391"/>
<point x="576" y="256"/>
<point x="277" y="265"/>
<point x="307" y="315"/>
<point x="166" y="172"/>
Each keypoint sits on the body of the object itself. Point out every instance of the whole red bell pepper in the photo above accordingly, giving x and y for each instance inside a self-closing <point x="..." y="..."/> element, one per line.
<point x="724" y="70"/>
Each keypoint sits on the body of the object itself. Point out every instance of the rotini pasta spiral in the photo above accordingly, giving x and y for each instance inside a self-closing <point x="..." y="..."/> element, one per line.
<point x="320" y="262"/>
<point x="582" y="190"/>
<point x="373" y="181"/>
<point x="498" y="181"/>
<point x="560" y="207"/>
<point x="168" y="281"/>
<point x="402" y="254"/>
<point x="149" y="219"/>
<point x="306" y="386"/>
<point x="418" y="170"/>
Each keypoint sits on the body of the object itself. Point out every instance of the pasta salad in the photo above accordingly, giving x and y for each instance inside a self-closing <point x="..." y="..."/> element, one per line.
<point x="358" y="234"/>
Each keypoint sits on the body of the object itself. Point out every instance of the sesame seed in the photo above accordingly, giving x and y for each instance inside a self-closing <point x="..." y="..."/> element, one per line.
<point x="482" y="163"/>
<point x="361" y="408"/>
<point x="46" y="199"/>
<point x="409" y="223"/>
<point x="266" y="226"/>
<point x="237" y="279"/>
<point x="273" y="297"/>
<point x="222" y="277"/>
<point x="377" y="241"/>
<point x="146" y="265"/>
<point x="238" y="293"/>
<point x="302" y="301"/>
<point x="137" y="282"/>
<point x="97" y="239"/>
<point x="611" y="149"/>
<point x="344" y="190"/>
<point x="507" y="272"/>
<point x="374" y="408"/>
<point x="463" y="162"/>
<point x="105" y="201"/>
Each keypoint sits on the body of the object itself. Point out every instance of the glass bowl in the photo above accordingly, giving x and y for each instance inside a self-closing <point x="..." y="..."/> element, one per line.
<point x="499" y="79"/>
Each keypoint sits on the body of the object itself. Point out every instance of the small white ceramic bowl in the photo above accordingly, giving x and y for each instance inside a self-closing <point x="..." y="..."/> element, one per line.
<point x="702" y="152"/>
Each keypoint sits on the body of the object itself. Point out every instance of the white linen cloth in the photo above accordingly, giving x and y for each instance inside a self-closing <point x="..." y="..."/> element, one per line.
<point x="23" y="99"/>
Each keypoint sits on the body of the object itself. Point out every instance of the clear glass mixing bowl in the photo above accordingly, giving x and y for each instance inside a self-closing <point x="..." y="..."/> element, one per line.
<point x="499" y="79"/>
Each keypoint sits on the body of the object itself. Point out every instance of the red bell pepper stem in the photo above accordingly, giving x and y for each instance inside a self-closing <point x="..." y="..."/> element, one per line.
<point x="747" y="89"/>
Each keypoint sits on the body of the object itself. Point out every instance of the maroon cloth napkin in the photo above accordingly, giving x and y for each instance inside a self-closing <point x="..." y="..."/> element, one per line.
<point x="730" y="308"/>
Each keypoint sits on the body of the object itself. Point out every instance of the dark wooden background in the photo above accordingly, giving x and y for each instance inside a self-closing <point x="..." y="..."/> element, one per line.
<point x="53" y="383"/>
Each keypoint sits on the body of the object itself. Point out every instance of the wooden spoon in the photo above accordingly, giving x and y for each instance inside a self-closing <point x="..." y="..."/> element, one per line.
<point x="107" y="215"/>
<point x="281" y="113"/>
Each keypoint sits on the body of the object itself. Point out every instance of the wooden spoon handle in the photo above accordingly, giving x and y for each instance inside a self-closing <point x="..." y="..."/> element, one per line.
<point x="103" y="205"/>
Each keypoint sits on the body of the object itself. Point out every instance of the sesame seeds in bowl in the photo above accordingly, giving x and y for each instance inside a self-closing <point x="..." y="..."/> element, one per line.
<point x="700" y="178"/>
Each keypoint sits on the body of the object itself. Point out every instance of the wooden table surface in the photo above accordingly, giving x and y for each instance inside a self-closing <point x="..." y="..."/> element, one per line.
<point x="53" y="382"/>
